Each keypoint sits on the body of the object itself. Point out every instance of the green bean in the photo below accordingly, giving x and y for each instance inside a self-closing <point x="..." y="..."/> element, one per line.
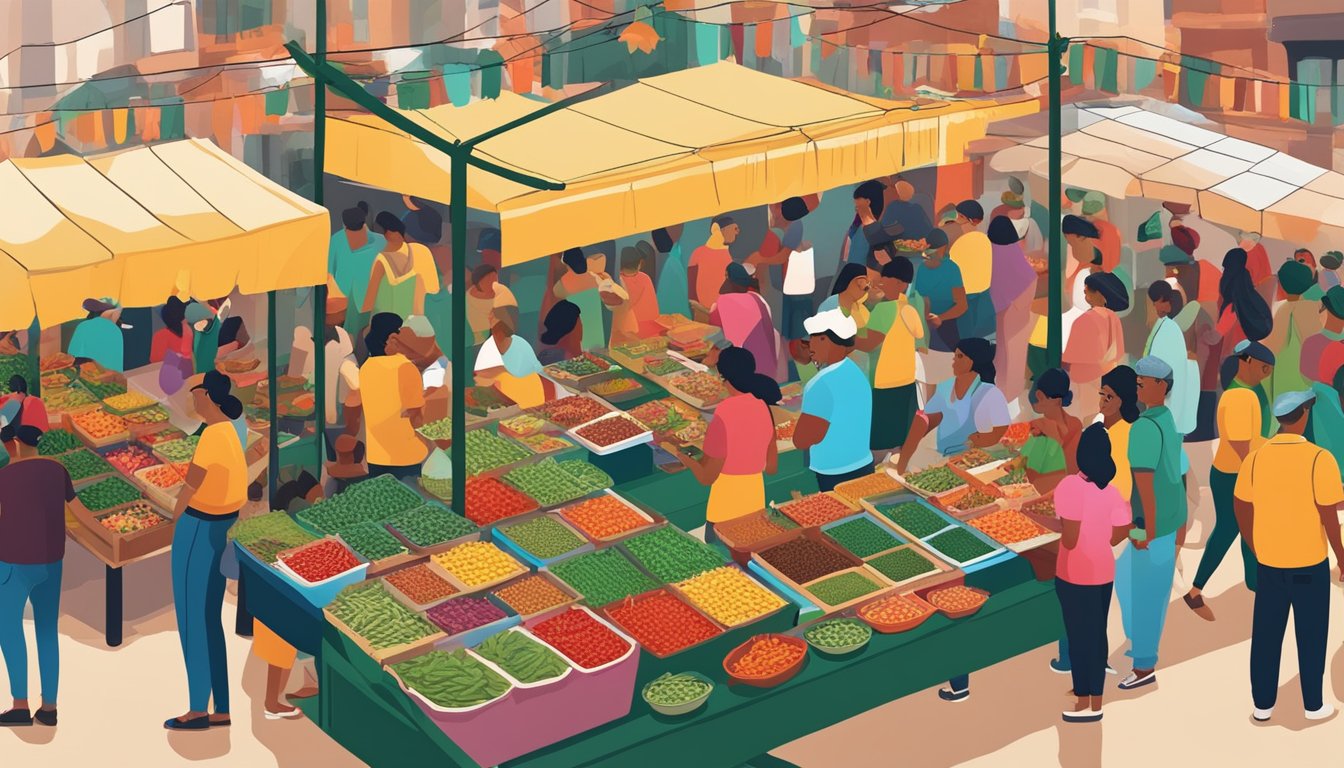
<point x="671" y="690"/>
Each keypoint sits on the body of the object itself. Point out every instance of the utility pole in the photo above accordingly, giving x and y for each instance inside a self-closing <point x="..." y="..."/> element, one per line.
<point x="1057" y="47"/>
<point x="320" y="382"/>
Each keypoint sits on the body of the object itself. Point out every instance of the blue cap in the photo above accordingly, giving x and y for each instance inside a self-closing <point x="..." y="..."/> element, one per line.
<point x="1290" y="401"/>
<point x="1153" y="367"/>
<point x="1254" y="350"/>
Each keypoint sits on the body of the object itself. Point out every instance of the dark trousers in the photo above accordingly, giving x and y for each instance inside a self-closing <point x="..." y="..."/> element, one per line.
<point x="408" y="472"/>
<point x="1085" y="608"/>
<point x="1307" y="592"/>
<point x="1225" y="531"/>
<point x="828" y="482"/>
<point x="959" y="683"/>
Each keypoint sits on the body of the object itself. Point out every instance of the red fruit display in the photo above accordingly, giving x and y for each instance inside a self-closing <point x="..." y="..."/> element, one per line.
<point x="581" y="638"/>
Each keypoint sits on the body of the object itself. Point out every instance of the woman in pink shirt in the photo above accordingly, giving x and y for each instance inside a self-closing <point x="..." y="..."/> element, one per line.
<point x="1093" y="517"/>
<point x="740" y="442"/>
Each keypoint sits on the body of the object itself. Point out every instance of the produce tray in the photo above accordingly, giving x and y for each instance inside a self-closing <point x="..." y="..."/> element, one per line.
<point x="741" y="552"/>
<point x="386" y="564"/>
<point x="128" y="546"/>
<point x="518" y="684"/>
<point x="467" y="590"/>
<point x="975" y="474"/>
<point x="384" y="656"/>
<point x="895" y="627"/>
<point x="653" y="519"/>
<point x="100" y="442"/>
<point x="568" y="379"/>
<point x="506" y="543"/>
<point x="633" y="652"/>
<point x="323" y="592"/>
<point x="863" y="515"/>
<point x="1019" y="547"/>
<point x="429" y="706"/>
<point x="924" y="595"/>
<point x="996" y="550"/>
<point x="55" y="408"/>
<point x="941" y="572"/>
<point x="813" y="534"/>
<point x="433" y="549"/>
<point x="948" y="501"/>
<point x="405" y="599"/>
<point x="615" y="372"/>
<point x="701" y="404"/>
<point x="754" y="620"/>
<point x="781" y="416"/>
<point x="891" y="470"/>
<point x="884" y="586"/>
<point x="1027" y="503"/>
<point x="124" y="411"/>
<point x="640" y="439"/>
<point x="165" y="497"/>
<point x="784" y="507"/>
<point x="648" y="655"/>
<point x="574" y="597"/>
<point x="475" y="636"/>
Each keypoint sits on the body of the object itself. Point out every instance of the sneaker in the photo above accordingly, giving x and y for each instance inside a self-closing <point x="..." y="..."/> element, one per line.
<point x="947" y="694"/>
<point x="1081" y="715"/>
<point x="1133" y="681"/>
<point x="1060" y="666"/>
<point x="16" y="717"/>
<point x="45" y="716"/>
<point x="1111" y="670"/>
<point x="1326" y="711"/>
<point x="1262" y="715"/>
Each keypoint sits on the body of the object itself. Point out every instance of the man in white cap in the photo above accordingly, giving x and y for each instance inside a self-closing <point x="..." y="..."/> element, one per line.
<point x="836" y="422"/>
<point x="1287" y="496"/>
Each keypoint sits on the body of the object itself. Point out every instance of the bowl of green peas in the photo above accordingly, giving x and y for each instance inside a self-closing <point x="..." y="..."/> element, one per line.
<point x="838" y="637"/>
<point x="677" y="694"/>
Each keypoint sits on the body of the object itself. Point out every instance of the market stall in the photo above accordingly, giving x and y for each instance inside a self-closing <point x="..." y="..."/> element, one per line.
<point x="130" y="229"/>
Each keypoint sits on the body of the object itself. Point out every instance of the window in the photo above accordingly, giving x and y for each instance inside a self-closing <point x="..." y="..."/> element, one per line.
<point x="359" y="12"/>
<point x="168" y="29"/>
<point x="229" y="17"/>
<point x="1317" y="68"/>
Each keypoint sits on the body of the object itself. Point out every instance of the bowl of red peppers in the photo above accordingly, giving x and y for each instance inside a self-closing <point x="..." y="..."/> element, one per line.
<point x="322" y="568"/>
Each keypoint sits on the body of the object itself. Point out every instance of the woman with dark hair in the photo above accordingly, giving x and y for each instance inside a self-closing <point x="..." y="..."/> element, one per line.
<point x="214" y="491"/>
<point x="1098" y="343"/>
<point x="517" y="375"/>
<point x="350" y="255"/>
<point x="562" y="333"/>
<point x="392" y="394"/>
<point x="674" y="296"/>
<point x="1295" y="320"/>
<point x="744" y="319"/>
<point x="1119" y="410"/>
<point x="1242" y="312"/>
<point x="174" y="335"/>
<point x="1011" y="289"/>
<point x="27" y="410"/>
<point x="396" y="285"/>
<point x="1092" y="518"/>
<point x="1166" y="342"/>
<point x="740" y="443"/>
<point x="869" y="200"/>
<point x="709" y="262"/>
<point x="1050" y="452"/>
<point x="583" y="284"/>
<point x="967" y="410"/>
<point x="485" y="294"/>
<point x="850" y="293"/>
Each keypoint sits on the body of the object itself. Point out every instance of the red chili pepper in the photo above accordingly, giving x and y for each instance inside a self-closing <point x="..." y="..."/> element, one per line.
<point x="321" y="561"/>
<point x="586" y="641"/>
<point x="662" y="623"/>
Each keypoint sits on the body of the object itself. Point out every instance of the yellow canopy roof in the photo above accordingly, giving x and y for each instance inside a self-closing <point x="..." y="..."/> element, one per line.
<point x="667" y="149"/>
<point x="138" y="224"/>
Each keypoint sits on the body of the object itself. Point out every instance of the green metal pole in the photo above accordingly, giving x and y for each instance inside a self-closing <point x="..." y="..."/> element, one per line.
<point x="34" y="358"/>
<point x="457" y="212"/>
<point x="320" y="291"/>
<point x="273" y="381"/>
<point x="1055" y="318"/>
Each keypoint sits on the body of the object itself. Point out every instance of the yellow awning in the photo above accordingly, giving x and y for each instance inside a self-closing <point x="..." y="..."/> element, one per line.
<point x="667" y="149"/>
<point x="138" y="224"/>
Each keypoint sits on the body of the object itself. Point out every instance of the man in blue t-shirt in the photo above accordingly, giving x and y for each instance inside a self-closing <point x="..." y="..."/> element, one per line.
<point x="837" y="404"/>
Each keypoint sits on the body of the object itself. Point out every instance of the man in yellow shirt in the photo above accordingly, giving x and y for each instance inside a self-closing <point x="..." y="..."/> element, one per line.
<point x="392" y="393"/>
<point x="1288" y="494"/>
<point x="893" y="329"/>
<point x="1243" y="424"/>
<point x="974" y="255"/>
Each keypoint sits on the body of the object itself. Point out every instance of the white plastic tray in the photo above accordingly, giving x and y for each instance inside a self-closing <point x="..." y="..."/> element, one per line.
<point x="644" y="437"/>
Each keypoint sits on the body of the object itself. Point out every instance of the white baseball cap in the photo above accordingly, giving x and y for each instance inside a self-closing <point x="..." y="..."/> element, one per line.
<point x="832" y="320"/>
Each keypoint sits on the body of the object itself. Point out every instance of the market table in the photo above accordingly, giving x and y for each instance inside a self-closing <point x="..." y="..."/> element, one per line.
<point x="363" y="709"/>
<point x="112" y="585"/>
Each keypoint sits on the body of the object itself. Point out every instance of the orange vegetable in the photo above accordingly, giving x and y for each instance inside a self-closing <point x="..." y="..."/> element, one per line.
<point x="767" y="656"/>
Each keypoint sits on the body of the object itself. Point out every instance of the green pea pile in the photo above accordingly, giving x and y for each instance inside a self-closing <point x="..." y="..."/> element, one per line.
<point x="838" y="633"/>
<point x="55" y="442"/>
<point x="587" y="475"/>
<point x="914" y="518"/>
<point x="526" y="660"/>
<point x="901" y="565"/>
<point x="935" y="480"/>
<point x="603" y="577"/>
<point x="438" y="487"/>
<point x="543" y="537"/>
<point x="960" y="545"/>
<point x="104" y="389"/>
<point x="266" y="536"/>
<point x="452" y="680"/>
<point x="487" y="451"/>
<point x="83" y="464"/>
<point x="372" y="541"/>
<point x="863" y="537"/>
<point x="671" y="555"/>
<point x="431" y="524"/>
<point x="439" y="430"/>
<point x="368" y="502"/>
<point x="671" y="690"/>
<point x="843" y="588"/>
<point x="179" y="451"/>
<point x="108" y="493"/>
<point x="373" y="614"/>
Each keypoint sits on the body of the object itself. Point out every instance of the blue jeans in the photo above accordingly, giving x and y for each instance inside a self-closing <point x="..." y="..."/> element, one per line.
<point x="40" y="584"/>
<point x="198" y="597"/>
<point x="1143" y="580"/>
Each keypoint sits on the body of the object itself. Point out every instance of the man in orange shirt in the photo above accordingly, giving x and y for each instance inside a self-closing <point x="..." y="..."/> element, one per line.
<point x="1108" y="242"/>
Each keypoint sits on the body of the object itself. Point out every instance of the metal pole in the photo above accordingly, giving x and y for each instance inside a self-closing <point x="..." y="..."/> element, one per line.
<point x="273" y="379"/>
<point x="1055" y="318"/>
<point x="34" y="358"/>
<point x="457" y="212"/>
<point x="320" y="291"/>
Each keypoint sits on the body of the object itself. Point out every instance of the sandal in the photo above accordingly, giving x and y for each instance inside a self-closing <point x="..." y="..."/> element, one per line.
<point x="1201" y="608"/>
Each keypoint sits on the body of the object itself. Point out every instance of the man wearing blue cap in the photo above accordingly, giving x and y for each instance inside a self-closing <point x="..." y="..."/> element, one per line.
<point x="1288" y="493"/>
<point x="1244" y="423"/>
<point x="1146" y="568"/>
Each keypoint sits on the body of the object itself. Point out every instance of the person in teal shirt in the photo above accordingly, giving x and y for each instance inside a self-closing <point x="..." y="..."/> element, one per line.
<point x="205" y="327"/>
<point x="350" y="256"/>
<point x="99" y="337"/>
<point x="673" y="294"/>
<point x="1147" y="567"/>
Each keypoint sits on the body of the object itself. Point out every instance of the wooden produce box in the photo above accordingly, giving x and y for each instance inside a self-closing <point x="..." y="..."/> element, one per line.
<point x="128" y="546"/>
<point x="121" y="436"/>
<point x="884" y="587"/>
<point x="1045" y="536"/>
<point x="385" y="656"/>
<point x="786" y="507"/>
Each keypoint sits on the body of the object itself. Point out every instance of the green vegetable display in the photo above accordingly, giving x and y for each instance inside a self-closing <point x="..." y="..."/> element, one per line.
<point x="842" y="588"/>
<point x="487" y="451"/>
<point x="935" y="480"/>
<point x="602" y="577"/>
<point x="960" y="545"/>
<point x="372" y="541"/>
<point x="266" y="536"/>
<point x="179" y="451"/>
<point x="373" y="614"/>
<point x="590" y="477"/>
<point x="438" y="487"/>
<point x="526" y="660"/>
<point x="431" y="524"/>
<point x="670" y="690"/>
<point x="544" y="537"/>
<point x="11" y="366"/>
<point x="451" y="680"/>
<point x="578" y="366"/>
<point x="104" y="389"/>
<point x="914" y="518"/>
<point x="83" y="464"/>
<point x="838" y="633"/>
<point x="863" y="537"/>
<point x="671" y="555"/>
<point x="439" y="430"/>
<point x="56" y="441"/>
<point x="1015" y="475"/>
<point x="108" y="493"/>
<point x="902" y="564"/>
<point x="368" y="502"/>
<point x="551" y="482"/>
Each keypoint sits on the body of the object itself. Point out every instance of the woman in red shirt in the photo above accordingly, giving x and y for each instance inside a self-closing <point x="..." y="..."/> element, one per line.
<point x="175" y="333"/>
<point x="740" y="443"/>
